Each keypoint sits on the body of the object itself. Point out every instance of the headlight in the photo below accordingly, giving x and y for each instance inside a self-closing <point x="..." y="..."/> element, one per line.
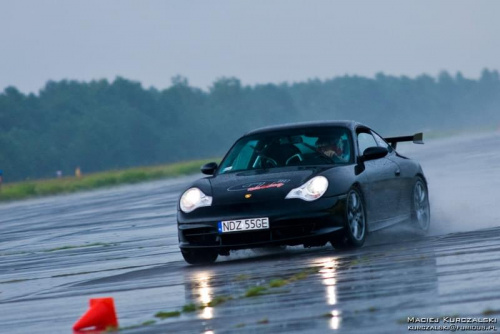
<point x="311" y="190"/>
<point x="194" y="198"/>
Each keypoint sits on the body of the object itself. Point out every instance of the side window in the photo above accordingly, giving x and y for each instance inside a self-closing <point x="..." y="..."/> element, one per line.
<point x="365" y="140"/>
<point x="381" y="142"/>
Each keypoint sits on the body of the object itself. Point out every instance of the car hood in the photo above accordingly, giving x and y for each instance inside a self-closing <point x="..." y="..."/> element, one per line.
<point x="261" y="185"/>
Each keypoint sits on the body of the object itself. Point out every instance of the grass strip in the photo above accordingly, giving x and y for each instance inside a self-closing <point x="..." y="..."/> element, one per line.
<point x="255" y="291"/>
<point x="164" y="315"/>
<point x="219" y="300"/>
<point x="277" y="283"/>
<point x="489" y="311"/>
<point x="189" y="308"/>
<point x="25" y="189"/>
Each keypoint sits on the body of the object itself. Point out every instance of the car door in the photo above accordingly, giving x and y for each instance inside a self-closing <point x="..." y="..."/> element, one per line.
<point x="401" y="175"/>
<point x="406" y="179"/>
<point x="381" y="189"/>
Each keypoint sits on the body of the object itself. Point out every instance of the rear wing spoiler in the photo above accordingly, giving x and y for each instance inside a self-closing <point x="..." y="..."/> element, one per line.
<point x="417" y="138"/>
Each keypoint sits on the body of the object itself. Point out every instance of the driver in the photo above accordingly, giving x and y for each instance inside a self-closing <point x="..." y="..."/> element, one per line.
<point x="331" y="146"/>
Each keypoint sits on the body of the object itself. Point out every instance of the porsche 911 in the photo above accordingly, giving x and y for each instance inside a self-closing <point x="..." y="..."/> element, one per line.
<point x="302" y="184"/>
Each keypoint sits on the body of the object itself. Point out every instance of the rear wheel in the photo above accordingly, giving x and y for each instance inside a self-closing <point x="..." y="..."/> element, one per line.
<point x="199" y="256"/>
<point x="353" y="234"/>
<point x="421" y="213"/>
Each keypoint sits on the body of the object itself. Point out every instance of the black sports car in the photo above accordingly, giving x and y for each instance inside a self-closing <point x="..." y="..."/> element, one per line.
<point x="304" y="183"/>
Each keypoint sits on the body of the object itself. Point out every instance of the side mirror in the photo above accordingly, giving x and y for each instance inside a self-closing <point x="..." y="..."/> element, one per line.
<point x="372" y="153"/>
<point x="209" y="168"/>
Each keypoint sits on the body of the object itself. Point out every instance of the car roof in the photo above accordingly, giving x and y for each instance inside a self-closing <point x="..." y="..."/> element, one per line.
<point x="320" y="124"/>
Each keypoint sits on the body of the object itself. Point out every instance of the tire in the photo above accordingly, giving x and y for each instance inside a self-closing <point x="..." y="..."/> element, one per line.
<point x="353" y="234"/>
<point x="199" y="256"/>
<point x="420" y="212"/>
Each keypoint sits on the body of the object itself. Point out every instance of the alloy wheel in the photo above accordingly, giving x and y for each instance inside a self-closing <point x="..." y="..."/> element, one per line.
<point x="421" y="206"/>
<point x="356" y="215"/>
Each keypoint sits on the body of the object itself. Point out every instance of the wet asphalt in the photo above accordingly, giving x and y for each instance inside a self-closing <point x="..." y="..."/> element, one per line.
<point x="56" y="253"/>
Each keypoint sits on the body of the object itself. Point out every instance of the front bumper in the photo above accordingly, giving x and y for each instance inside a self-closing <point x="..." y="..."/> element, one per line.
<point x="291" y="222"/>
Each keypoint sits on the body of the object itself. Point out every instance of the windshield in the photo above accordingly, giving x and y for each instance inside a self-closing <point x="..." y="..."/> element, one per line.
<point x="295" y="147"/>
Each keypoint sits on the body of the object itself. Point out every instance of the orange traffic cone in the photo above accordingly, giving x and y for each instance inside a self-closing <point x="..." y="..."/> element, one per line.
<point x="101" y="315"/>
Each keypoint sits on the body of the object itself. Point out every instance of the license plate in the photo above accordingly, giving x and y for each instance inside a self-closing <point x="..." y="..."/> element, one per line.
<point x="241" y="225"/>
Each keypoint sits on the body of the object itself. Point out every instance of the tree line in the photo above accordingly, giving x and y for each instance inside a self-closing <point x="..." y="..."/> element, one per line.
<point x="102" y="125"/>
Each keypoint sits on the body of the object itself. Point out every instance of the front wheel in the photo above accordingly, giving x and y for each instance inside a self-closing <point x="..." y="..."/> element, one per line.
<point x="199" y="256"/>
<point x="353" y="234"/>
<point x="421" y="213"/>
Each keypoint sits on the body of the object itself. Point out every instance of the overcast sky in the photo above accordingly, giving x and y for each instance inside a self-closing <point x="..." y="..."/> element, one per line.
<point x="255" y="41"/>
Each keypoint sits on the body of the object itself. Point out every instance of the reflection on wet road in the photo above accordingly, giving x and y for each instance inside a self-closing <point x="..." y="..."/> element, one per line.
<point x="56" y="253"/>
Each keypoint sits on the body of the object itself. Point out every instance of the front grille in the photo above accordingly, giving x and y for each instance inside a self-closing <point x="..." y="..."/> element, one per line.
<point x="298" y="228"/>
<point x="245" y="237"/>
<point x="280" y="230"/>
<point x="202" y="236"/>
<point x="292" y="232"/>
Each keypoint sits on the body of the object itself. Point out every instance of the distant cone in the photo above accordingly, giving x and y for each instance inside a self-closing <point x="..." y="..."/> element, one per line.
<point x="101" y="315"/>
